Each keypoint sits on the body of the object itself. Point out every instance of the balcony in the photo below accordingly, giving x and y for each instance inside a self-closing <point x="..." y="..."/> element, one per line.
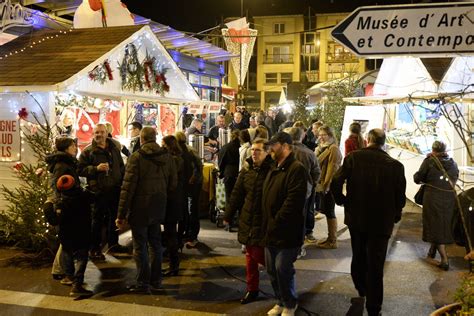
<point x="341" y="58"/>
<point x="278" y="59"/>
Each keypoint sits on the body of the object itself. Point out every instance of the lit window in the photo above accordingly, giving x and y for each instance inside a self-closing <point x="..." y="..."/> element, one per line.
<point x="279" y="28"/>
<point x="271" y="77"/>
<point x="286" y="77"/>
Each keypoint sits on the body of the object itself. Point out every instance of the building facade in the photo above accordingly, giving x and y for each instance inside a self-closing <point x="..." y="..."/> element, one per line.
<point x="294" y="48"/>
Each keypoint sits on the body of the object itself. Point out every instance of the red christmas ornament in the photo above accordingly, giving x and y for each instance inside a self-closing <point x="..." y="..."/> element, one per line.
<point x="23" y="114"/>
<point x="166" y="87"/>
<point x="95" y="5"/>
<point x="18" y="166"/>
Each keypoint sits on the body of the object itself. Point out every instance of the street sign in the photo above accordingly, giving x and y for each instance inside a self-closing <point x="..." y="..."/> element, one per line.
<point x="444" y="29"/>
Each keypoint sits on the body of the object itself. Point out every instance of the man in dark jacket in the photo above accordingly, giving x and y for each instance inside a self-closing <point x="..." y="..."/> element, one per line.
<point x="237" y="122"/>
<point x="373" y="203"/>
<point x="135" y="128"/>
<point x="101" y="163"/>
<point x="311" y="164"/>
<point x="284" y="192"/>
<point x="247" y="197"/>
<point x="144" y="206"/>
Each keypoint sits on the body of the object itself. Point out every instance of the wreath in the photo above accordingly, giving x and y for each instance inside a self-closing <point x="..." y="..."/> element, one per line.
<point x="101" y="73"/>
<point x="131" y="70"/>
<point x="155" y="79"/>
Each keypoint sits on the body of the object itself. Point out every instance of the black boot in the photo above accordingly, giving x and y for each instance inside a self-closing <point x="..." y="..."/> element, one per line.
<point x="250" y="296"/>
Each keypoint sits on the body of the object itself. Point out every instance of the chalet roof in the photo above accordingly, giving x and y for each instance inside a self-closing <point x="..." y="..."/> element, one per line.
<point x="51" y="57"/>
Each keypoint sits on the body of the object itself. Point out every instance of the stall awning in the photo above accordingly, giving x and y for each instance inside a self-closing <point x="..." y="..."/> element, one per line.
<point x="364" y="78"/>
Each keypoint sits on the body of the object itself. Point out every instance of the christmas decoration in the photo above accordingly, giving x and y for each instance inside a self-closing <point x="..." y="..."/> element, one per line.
<point x="101" y="73"/>
<point x="23" y="114"/>
<point x="18" y="166"/>
<point x="131" y="70"/>
<point x="155" y="79"/>
<point x="23" y="223"/>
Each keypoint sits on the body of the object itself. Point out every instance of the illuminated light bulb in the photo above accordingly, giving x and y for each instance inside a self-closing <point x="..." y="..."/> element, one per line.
<point x="470" y="208"/>
<point x="441" y="177"/>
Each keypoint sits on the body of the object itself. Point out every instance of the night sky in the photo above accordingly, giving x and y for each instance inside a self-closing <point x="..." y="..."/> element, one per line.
<point x="199" y="15"/>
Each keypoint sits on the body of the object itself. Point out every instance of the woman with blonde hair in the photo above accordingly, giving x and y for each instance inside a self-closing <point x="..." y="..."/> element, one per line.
<point x="330" y="158"/>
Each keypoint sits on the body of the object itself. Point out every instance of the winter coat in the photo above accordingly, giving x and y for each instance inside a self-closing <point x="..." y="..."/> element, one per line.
<point x="229" y="160"/>
<point x="375" y="191"/>
<point x="192" y="169"/>
<point x="439" y="200"/>
<point x="73" y="205"/>
<point x="93" y="155"/>
<point x="240" y="126"/>
<point x="329" y="158"/>
<point x="309" y="161"/>
<point x="150" y="175"/>
<point x="247" y="197"/>
<point x="175" y="203"/>
<point x="284" y="192"/>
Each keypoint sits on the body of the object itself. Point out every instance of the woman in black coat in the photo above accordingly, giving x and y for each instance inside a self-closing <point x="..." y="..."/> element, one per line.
<point x="247" y="197"/>
<point x="439" y="174"/>
<point x="174" y="207"/>
<point x="72" y="205"/>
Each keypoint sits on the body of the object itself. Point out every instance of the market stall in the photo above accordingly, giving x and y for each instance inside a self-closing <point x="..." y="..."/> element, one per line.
<point x="415" y="110"/>
<point x="85" y="76"/>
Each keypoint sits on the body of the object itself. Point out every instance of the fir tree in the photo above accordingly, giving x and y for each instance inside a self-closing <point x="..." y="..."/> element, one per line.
<point x="23" y="222"/>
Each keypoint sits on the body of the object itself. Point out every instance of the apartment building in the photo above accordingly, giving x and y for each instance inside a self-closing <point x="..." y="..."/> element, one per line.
<point x="295" y="48"/>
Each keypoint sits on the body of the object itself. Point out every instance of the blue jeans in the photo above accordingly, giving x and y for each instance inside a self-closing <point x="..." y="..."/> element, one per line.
<point x="75" y="263"/>
<point x="147" y="239"/>
<point x="279" y="263"/>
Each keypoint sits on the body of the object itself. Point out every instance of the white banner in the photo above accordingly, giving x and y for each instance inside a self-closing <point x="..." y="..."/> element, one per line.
<point x="240" y="41"/>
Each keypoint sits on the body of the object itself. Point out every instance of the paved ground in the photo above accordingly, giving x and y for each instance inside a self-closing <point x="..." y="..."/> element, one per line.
<point x="212" y="280"/>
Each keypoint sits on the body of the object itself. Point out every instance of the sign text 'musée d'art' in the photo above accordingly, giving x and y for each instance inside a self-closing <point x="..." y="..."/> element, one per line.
<point x="10" y="142"/>
<point x="429" y="29"/>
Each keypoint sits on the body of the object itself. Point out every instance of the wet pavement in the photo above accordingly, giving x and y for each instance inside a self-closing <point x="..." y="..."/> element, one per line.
<point x="212" y="280"/>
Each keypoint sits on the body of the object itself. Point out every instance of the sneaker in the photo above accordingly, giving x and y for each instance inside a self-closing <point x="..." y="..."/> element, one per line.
<point x="302" y="253"/>
<point x="97" y="256"/>
<point x="140" y="289"/>
<point x="309" y="238"/>
<point x="289" y="311"/>
<point x="66" y="280"/>
<point x="58" y="276"/>
<point x="327" y="244"/>
<point x="118" y="249"/>
<point x="192" y="243"/>
<point x="319" y="216"/>
<point x="276" y="310"/>
<point x="243" y="249"/>
<point x="79" y="290"/>
<point x="156" y="287"/>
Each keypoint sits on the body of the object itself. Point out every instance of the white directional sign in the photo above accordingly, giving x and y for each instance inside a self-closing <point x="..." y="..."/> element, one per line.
<point x="444" y="29"/>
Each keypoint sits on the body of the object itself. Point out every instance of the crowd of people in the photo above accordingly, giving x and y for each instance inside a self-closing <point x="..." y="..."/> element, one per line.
<point x="278" y="176"/>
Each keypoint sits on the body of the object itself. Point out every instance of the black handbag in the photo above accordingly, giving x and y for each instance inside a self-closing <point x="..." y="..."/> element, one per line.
<point x="419" y="195"/>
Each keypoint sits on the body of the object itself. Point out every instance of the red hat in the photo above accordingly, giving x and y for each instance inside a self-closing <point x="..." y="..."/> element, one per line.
<point x="65" y="182"/>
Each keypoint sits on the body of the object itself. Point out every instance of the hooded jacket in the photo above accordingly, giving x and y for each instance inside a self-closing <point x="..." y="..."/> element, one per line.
<point x="247" y="197"/>
<point x="74" y="204"/>
<point x="150" y="174"/>
<point x="92" y="156"/>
